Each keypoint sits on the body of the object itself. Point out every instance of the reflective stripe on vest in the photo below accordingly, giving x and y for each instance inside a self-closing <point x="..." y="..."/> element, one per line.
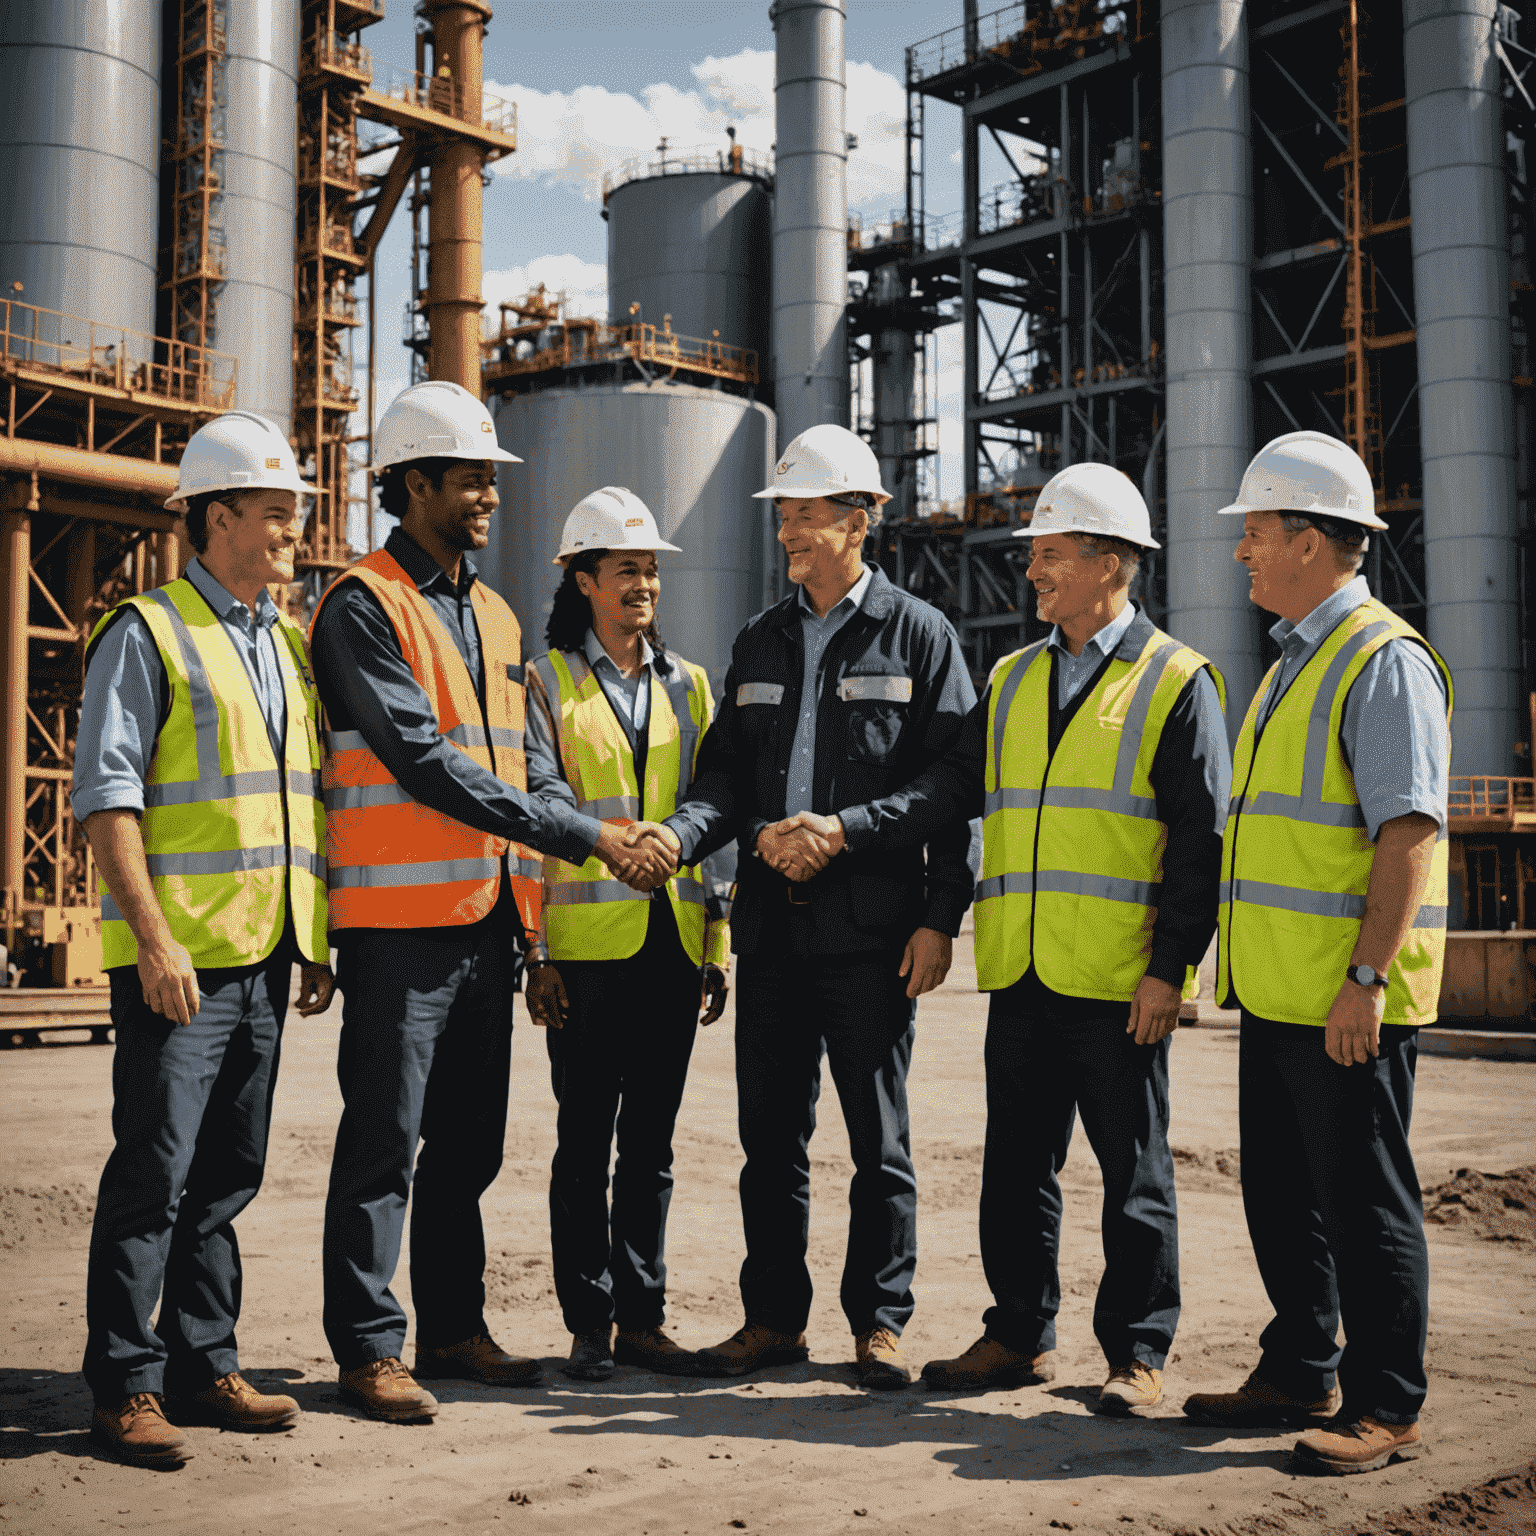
<point x="1072" y="846"/>
<point x="1296" y="856"/>
<point x="395" y="863"/>
<point x="588" y="915"/>
<point x="231" y="839"/>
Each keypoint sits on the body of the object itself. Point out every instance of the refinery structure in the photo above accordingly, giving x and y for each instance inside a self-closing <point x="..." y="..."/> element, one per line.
<point x="1185" y="228"/>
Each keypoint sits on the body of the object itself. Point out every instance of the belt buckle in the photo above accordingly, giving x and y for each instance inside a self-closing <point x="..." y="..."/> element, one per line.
<point x="792" y="890"/>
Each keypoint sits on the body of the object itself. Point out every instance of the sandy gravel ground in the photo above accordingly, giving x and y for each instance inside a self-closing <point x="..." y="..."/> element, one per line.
<point x="801" y="1449"/>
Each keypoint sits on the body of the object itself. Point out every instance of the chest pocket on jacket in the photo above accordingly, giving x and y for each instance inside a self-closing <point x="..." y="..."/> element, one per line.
<point x="876" y="709"/>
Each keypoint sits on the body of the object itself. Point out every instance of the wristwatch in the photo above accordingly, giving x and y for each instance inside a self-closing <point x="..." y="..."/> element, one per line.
<point x="1365" y="976"/>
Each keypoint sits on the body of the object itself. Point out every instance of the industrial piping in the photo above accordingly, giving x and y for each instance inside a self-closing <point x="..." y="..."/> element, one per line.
<point x="1466" y="399"/>
<point x="453" y="299"/>
<point x="810" y="216"/>
<point x="1208" y="250"/>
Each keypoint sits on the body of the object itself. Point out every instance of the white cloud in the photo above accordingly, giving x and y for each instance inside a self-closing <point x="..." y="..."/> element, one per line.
<point x="584" y="283"/>
<point x="575" y="137"/>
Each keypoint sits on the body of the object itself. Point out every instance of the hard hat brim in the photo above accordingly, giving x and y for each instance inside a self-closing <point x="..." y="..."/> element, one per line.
<point x="178" y="502"/>
<point x="659" y="546"/>
<point x="1242" y="508"/>
<point x="494" y="452"/>
<point x="774" y="493"/>
<point x="1030" y="532"/>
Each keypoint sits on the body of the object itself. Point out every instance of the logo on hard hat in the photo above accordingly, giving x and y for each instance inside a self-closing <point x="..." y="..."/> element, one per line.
<point x="274" y="463"/>
<point x="784" y="467"/>
<point x="485" y="426"/>
<point x="634" y="522"/>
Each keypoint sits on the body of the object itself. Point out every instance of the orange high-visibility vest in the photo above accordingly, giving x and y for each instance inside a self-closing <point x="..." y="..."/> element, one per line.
<point x="393" y="862"/>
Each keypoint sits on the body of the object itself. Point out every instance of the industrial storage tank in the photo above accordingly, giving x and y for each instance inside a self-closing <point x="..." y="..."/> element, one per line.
<point x="80" y="141"/>
<point x="695" y="244"/>
<point x="694" y="456"/>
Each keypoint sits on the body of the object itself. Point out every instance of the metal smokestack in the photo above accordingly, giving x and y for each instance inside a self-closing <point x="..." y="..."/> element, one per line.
<point x="810" y="216"/>
<point x="1466" y="401"/>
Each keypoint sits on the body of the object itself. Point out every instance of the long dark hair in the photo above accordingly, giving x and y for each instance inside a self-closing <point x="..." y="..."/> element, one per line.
<point x="571" y="616"/>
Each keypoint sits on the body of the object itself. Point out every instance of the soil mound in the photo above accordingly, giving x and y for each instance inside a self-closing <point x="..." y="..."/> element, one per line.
<point x="1498" y="1207"/>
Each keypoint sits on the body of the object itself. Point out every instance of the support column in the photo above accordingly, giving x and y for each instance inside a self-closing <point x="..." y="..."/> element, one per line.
<point x="15" y="599"/>
<point x="1207" y="256"/>
<point x="1466" y="400"/>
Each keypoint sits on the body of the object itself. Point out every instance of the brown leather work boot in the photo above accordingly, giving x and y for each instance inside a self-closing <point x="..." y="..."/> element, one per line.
<point x="653" y="1350"/>
<point x="591" y="1357"/>
<point x="988" y="1363"/>
<point x="749" y="1349"/>
<point x="232" y="1402"/>
<point x="879" y="1362"/>
<point x="479" y="1358"/>
<point x="384" y="1389"/>
<point x="1362" y="1446"/>
<point x="1258" y="1404"/>
<point x="137" y="1431"/>
<point x="1131" y="1386"/>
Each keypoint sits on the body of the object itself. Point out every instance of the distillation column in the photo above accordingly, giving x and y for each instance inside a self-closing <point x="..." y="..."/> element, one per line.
<point x="810" y="218"/>
<point x="1208" y="249"/>
<point x="453" y="299"/>
<point x="1466" y="401"/>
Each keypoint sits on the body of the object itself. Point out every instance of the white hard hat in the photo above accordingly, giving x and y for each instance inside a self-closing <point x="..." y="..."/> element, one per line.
<point x="1095" y="499"/>
<point x="238" y="451"/>
<point x="826" y="461"/>
<point x="1308" y="472"/>
<point x="612" y="518"/>
<point x="436" y="420"/>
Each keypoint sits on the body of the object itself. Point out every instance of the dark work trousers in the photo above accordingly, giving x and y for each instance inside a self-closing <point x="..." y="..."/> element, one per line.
<point x="191" y="1109"/>
<point x="1042" y="1071"/>
<point x="1335" y="1216"/>
<point x="426" y="1051"/>
<point x="790" y="1009"/>
<point x="622" y="1059"/>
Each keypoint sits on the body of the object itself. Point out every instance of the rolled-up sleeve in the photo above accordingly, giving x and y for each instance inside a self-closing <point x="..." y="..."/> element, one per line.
<point x="123" y="705"/>
<point x="366" y="685"/>
<point x="1396" y="737"/>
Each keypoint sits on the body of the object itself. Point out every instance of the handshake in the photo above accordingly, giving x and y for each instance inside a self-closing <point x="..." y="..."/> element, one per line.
<point x="802" y="845"/>
<point x="642" y="854"/>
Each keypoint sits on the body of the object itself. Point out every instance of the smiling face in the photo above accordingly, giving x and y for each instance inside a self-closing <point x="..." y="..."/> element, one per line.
<point x="459" y="514"/>
<point x="1069" y="582"/>
<point x="822" y="538"/>
<point x="1277" y="562"/>
<point x="624" y="592"/>
<point x="252" y="538"/>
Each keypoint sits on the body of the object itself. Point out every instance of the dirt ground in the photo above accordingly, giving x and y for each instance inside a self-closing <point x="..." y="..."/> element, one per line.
<point x="800" y="1449"/>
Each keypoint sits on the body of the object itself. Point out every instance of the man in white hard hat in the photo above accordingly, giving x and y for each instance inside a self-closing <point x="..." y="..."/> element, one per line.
<point x="614" y="726"/>
<point x="1332" y="942"/>
<point x="197" y="783"/>
<point x="838" y="694"/>
<point x="1098" y="758"/>
<point x="434" y="895"/>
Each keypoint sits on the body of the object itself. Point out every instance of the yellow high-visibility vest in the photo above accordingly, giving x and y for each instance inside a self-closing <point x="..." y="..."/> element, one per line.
<point x="588" y="915"/>
<point x="1072" y="848"/>
<point x="1296" y="857"/>
<point x="227" y="830"/>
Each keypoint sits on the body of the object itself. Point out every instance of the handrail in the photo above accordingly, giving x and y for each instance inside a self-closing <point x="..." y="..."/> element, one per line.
<point x="700" y="160"/>
<point x="1041" y="26"/>
<point x="156" y="366"/>
<point x="571" y="341"/>
<point x="1490" y="795"/>
<point x="443" y="94"/>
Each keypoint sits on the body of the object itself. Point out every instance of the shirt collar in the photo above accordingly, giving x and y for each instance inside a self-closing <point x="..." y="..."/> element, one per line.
<point x="853" y="598"/>
<point x="422" y="568"/>
<point x="223" y="601"/>
<point x="593" y="650"/>
<point x="1107" y="638"/>
<point x="1323" y="619"/>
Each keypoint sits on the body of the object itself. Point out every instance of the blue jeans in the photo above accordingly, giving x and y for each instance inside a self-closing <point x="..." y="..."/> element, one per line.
<point x="1042" y="1071"/>
<point x="1335" y="1216"/>
<point x="191" y="1110"/>
<point x="789" y="1010"/>
<point x="425" y="1055"/>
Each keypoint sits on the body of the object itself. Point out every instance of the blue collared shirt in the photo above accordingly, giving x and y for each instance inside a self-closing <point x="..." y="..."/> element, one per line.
<point x="127" y="696"/>
<point x="817" y="632"/>
<point x="631" y="703"/>
<point x="1072" y="672"/>
<point x="1394" y="733"/>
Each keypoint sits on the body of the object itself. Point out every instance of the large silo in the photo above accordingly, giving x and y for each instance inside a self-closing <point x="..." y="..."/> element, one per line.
<point x="80" y="140"/>
<point x="694" y="456"/>
<point x="696" y="245"/>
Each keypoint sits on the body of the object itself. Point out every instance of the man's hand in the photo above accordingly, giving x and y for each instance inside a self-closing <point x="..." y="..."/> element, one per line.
<point x="653" y="836"/>
<point x="316" y="987"/>
<point x="1154" y="1010"/>
<point x="801" y="845"/>
<point x="713" y="990"/>
<point x="545" y="996"/>
<point x="644" y="864"/>
<point x="926" y="960"/>
<point x="1353" y="1032"/>
<point x="169" y="979"/>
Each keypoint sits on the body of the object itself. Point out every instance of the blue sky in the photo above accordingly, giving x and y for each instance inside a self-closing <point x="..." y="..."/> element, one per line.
<point x="598" y="83"/>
